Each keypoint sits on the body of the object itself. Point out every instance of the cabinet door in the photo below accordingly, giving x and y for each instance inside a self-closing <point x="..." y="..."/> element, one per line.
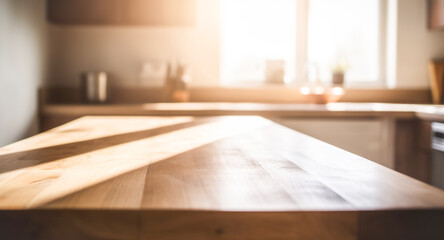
<point x="436" y="14"/>
<point x="122" y="12"/>
<point x="369" y="138"/>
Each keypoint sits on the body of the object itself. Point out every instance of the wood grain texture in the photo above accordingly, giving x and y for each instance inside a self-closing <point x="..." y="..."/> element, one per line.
<point x="202" y="178"/>
<point x="69" y="224"/>
<point x="249" y="225"/>
<point x="122" y="12"/>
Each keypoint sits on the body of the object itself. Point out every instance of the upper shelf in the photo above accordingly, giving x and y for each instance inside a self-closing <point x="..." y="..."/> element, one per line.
<point x="436" y="14"/>
<point x="122" y="12"/>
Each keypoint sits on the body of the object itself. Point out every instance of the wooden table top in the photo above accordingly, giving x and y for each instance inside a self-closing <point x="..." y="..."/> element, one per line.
<point x="221" y="176"/>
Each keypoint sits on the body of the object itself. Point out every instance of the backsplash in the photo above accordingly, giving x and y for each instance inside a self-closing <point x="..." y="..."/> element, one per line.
<point x="122" y="51"/>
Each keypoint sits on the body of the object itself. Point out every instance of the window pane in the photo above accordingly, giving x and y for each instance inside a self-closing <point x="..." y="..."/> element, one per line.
<point x="254" y="31"/>
<point x="345" y="32"/>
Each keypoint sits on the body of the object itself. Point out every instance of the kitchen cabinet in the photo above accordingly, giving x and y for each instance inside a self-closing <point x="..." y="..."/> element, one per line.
<point x="436" y="14"/>
<point x="371" y="138"/>
<point x="122" y="12"/>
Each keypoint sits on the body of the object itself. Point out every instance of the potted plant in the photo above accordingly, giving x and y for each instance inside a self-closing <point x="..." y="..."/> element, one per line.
<point x="338" y="72"/>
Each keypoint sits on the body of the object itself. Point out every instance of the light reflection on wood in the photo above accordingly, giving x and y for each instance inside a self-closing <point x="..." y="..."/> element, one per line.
<point x="35" y="185"/>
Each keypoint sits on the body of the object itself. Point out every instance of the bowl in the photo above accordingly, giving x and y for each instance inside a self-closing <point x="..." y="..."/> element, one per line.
<point x="322" y="95"/>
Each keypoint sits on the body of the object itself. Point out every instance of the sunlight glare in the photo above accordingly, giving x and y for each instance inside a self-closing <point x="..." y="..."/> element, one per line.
<point x="254" y="31"/>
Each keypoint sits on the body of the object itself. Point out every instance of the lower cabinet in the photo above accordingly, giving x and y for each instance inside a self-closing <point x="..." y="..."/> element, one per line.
<point x="369" y="138"/>
<point x="403" y="145"/>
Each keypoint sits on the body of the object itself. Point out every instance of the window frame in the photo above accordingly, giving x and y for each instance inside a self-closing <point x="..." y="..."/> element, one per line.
<point x="301" y="53"/>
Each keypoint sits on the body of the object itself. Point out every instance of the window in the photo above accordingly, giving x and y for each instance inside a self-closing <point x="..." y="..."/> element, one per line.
<point x="254" y="31"/>
<point x="323" y="33"/>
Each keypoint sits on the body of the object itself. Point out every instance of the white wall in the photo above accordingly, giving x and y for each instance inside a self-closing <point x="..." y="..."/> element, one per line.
<point x="121" y="50"/>
<point x="416" y="45"/>
<point x="22" y="65"/>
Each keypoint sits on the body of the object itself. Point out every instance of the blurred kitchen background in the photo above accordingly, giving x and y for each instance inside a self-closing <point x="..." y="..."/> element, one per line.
<point x="226" y="46"/>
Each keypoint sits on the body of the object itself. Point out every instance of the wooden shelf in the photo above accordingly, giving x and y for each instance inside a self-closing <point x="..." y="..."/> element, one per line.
<point x="122" y="12"/>
<point x="436" y="14"/>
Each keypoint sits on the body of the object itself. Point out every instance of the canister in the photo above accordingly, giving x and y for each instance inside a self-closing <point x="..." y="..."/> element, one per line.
<point x="94" y="87"/>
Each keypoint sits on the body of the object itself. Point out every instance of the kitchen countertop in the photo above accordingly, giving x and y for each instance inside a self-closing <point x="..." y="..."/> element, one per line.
<point x="237" y="177"/>
<point x="425" y="111"/>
